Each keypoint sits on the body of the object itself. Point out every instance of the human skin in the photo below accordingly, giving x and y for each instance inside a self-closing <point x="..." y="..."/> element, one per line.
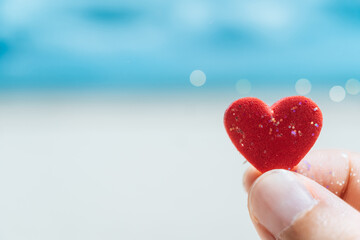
<point x="318" y="199"/>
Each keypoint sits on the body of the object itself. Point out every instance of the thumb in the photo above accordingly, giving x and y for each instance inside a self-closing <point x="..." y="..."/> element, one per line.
<point x="286" y="205"/>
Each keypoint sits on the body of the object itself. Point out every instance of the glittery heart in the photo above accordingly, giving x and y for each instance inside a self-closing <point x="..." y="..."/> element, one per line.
<point x="273" y="137"/>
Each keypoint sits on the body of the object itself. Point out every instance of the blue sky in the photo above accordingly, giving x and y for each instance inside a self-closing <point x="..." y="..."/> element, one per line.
<point x="157" y="44"/>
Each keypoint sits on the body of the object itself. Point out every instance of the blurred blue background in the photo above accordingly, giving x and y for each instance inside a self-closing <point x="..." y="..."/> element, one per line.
<point x="141" y="44"/>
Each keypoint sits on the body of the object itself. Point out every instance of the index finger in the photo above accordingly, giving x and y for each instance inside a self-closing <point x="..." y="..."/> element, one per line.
<point x="336" y="170"/>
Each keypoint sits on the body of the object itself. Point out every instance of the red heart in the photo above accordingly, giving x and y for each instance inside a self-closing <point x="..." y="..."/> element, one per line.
<point x="273" y="137"/>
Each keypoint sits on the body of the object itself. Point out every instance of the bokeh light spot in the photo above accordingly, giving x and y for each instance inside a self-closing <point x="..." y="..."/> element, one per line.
<point x="197" y="78"/>
<point x="337" y="93"/>
<point x="303" y="86"/>
<point x="352" y="86"/>
<point x="243" y="86"/>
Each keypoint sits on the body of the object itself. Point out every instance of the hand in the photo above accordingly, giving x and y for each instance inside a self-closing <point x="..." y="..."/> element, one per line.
<point x="319" y="199"/>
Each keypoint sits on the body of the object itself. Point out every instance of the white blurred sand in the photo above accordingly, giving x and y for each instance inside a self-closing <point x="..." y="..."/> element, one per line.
<point x="131" y="168"/>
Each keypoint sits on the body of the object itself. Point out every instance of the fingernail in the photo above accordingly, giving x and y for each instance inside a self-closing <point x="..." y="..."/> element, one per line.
<point x="277" y="198"/>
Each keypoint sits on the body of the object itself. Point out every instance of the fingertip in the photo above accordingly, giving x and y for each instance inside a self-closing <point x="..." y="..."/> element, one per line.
<point x="250" y="175"/>
<point x="329" y="168"/>
<point x="290" y="206"/>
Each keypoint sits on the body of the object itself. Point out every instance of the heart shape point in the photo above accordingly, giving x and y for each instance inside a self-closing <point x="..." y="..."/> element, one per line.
<point x="273" y="137"/>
